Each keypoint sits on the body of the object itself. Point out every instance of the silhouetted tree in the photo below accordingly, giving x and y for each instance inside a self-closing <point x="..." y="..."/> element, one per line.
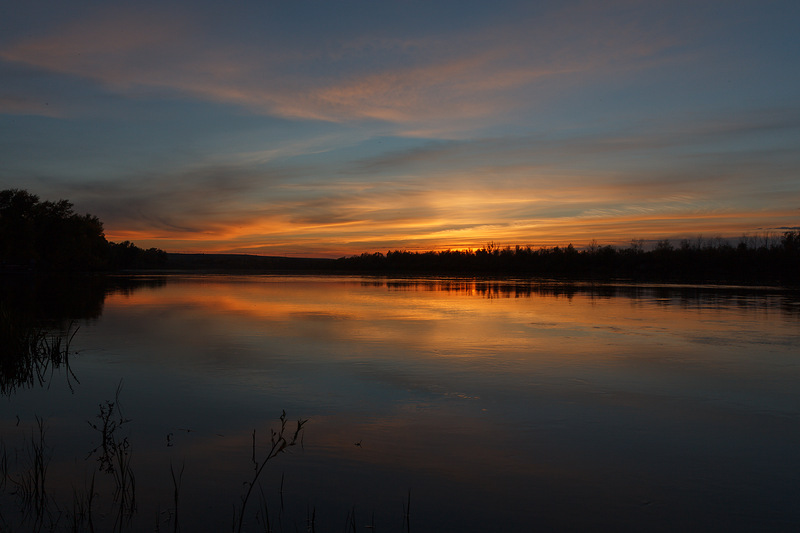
<point x="764" y="259"/>
<point x="50" y="236"/>
<point x="128" y="255"/>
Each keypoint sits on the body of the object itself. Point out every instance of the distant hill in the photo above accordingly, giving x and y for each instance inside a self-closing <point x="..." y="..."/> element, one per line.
<point x="181" y="261"/>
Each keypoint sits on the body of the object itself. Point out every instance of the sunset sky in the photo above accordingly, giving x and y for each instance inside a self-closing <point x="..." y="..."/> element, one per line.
<point x="325" y="128"/>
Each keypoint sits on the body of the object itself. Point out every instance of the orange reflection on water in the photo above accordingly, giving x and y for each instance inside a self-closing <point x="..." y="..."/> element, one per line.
<point x="510" y="322"/>
<point x="466" y="391"/>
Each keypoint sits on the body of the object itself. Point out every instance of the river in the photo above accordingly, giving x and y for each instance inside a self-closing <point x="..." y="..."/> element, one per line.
<point x="430" y="404"/>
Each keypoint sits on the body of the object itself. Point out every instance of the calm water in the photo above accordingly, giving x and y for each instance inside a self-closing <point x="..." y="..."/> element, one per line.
<point x="497" y="405"/>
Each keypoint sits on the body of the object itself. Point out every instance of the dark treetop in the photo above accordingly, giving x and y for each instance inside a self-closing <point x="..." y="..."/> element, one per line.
<point x="51" y="237"/>
<point x="765" y="259"/>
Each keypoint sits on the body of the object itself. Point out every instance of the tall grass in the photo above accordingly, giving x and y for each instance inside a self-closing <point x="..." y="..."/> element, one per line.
<point x="114" y="455"/>
<point x="31" y="352"/>
<point x="30" y="482"/>
<point x="176" y="489"/>
<point x="25" y="473"/>
<point x="280" y="441"/>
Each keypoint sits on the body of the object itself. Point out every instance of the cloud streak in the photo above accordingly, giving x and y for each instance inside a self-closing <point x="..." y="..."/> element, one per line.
<point x="308" y="132"/>
<point x="456" y="78"/>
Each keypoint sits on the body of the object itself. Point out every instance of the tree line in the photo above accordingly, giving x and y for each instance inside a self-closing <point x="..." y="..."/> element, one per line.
<point x="50" y="236"/>
<point x="749" y="260"/>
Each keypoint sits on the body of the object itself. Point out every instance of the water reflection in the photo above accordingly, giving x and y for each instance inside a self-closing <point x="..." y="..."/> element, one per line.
<point x="38" y="317"/>
<point x="689" y="296"/>
<point x="31" y="354"/>
<point x="501" y="404"/>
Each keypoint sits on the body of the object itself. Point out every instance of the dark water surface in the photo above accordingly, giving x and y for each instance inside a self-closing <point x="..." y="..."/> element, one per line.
<point x="498" y="405"/>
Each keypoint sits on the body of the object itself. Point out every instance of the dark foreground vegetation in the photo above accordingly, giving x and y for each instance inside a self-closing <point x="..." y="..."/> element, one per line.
<point x="51" y="237"/>
<point x="31" y="501"/>
<point x="763" y="259"/>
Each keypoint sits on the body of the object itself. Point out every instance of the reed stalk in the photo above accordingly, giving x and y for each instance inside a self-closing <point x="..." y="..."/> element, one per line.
<point x="280" y="442"/>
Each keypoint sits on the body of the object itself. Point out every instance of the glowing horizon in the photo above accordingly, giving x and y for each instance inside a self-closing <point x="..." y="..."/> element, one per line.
<point x="324" y="131"/>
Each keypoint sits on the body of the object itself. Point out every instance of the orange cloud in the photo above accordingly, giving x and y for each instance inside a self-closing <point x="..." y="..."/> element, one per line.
<point x="546" y="181"/>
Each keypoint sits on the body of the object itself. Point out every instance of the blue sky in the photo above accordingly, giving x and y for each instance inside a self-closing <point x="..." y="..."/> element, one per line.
<point x="331" y="128"/>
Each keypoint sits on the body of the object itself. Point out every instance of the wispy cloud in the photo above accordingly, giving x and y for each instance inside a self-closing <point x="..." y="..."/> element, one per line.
<point x="286" y="132"/>
<point x="525" y="190"/>
<point x="453" y="78"/>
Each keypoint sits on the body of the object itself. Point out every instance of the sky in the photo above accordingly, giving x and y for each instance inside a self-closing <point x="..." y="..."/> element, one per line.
<point x="326" y="128"/>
